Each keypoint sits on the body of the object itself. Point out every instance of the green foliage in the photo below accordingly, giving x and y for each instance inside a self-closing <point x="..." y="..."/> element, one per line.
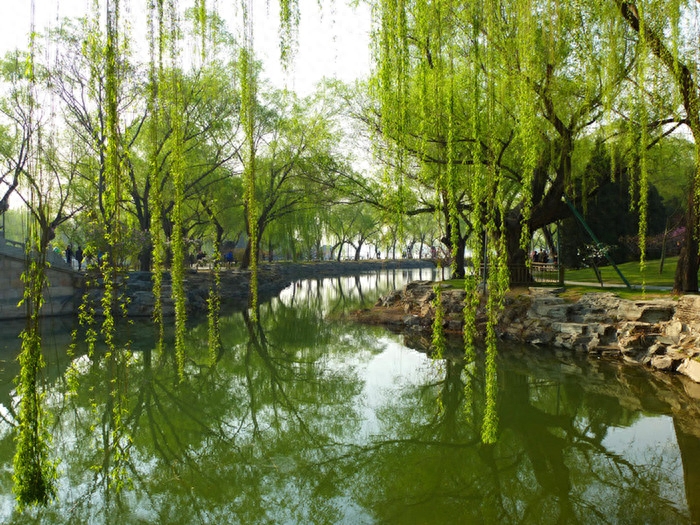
<point x="248" y="101"/>
<point x="34" y="473"/>
<point x="438" y="337"/>
<point x="609" y="212"/>
<point x="156" y="41"/>
<point x="289" y="22"/>
<point x="482" y="108"/>
<point x="214" y="307"/>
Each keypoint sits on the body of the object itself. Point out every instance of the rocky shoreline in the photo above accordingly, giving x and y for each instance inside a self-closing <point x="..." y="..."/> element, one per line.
<point x="663" y="334"/>
<point x="137" y="287"/>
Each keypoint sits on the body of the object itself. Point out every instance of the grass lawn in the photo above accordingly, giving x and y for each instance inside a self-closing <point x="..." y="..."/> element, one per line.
<point x="632" y="272"/>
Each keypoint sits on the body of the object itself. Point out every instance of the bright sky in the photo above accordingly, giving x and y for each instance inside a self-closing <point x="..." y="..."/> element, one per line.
<point x="333" y="41"/>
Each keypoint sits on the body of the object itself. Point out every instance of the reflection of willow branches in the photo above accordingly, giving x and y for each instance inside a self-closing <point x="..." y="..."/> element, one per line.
<point x="341" y="300"/>
<point x="572" y="467"/>
<point x="158" y="402"/>
<point x="303" y="293"/>
<point x="358" y="287"/>
<point x="150" y="399"/>
<point x="356" y="452"/>
<point x="550" y="440"/>
<point x="689" y="447"/>
<point x="258" y="343"/>
<point x="337" y="286"/>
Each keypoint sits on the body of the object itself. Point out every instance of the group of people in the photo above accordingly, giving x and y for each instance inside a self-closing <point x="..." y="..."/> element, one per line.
<point x="540" y="257"/>
<point x="200" y="259"/>
<point x="78" y="255"/>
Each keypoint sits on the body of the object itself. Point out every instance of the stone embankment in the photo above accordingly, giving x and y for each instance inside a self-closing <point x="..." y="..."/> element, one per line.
<point x="661" y="333"/>
<point x="60" y="298"/>
<point x="137" y="287"/>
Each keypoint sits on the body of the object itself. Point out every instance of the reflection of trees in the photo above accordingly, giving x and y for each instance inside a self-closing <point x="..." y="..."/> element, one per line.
<point x="689" y="446"/>
<point x="547" y="466"/>
<point x="333" y="296"/>
<point x="238" y="441"/>
<point x="282" y="426"/>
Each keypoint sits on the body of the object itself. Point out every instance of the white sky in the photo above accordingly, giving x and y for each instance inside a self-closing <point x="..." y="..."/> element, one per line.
<point x="333" y="41"/>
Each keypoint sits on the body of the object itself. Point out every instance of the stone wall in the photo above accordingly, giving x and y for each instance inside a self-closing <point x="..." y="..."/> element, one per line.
<point x="137" y="287"/>
<point x="61" y="296"/>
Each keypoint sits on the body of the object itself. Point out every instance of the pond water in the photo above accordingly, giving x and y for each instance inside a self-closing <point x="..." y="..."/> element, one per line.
<point x="305" y="417"/>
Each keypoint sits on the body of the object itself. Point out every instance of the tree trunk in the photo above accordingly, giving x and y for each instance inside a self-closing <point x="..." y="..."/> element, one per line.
<point x="458" y="271"/>
<point x="516" y="255"/>
<point x="146" y="257"/>
<point x="550" y="242"/>
<point x="686" y="279"/>
<point x="357" y="250"/>
<point x="340" y="251"/>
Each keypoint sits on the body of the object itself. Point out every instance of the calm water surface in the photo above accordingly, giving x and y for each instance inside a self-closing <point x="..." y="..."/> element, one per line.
<point x="304" y="417"/>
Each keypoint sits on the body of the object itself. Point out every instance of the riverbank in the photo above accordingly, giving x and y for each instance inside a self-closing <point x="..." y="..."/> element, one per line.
<point x="235" y="283"/>
<point x="663" y="334"/>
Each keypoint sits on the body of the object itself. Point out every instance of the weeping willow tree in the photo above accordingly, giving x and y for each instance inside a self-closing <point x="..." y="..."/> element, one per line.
<point x="485" y="101"/>
<point x="116" y="443"/>
<point x="664" y="45"/>
<point x="484" y="98"/>
<point x="491" y="99"/>
<point x="156" y="50"/>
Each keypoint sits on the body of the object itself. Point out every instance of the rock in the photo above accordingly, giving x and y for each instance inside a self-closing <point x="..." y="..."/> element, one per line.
<point x="656" y="313"/>
<point x="411" y="320"/>
<point x="692" y="389"/>
<point x="690" y="368"/>
<point x="662" y="362"/>
<point x="656" y="349"/>
<point x="674" y="329"/>
<point x="556" y="312"/>
<point x="570" y="328"/>
<point x="661" y="334"/>
<point x="687" y="310"/>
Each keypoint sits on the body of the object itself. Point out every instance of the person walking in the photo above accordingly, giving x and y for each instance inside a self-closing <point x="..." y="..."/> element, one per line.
<point x="69" y="255"/>
<point x="79" y="257"/>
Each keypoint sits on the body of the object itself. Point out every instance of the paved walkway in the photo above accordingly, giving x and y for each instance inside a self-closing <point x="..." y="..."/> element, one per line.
<point x="620" y="285"/>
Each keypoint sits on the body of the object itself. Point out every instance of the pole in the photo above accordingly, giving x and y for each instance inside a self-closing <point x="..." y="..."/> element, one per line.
<point x="598" y="244"/>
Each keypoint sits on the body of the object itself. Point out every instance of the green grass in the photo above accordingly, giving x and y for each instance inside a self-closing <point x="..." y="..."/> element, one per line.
<point x="631" y="271"/>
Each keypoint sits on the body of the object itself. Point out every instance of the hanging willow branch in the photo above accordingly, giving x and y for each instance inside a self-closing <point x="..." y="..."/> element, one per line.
<point x="177" y="244"/>
<point x="686" y="83"/>
<point x="157" y="42"/>
<point x="34" y="474"/>
<point x="247" y="79"/>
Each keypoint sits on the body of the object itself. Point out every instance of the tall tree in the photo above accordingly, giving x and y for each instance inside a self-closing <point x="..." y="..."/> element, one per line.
<point x="297" y="161"/>
<point x="211" y="141"/>
<point x="16" y="128"/>
<point x="491" y="100"/>
<point x="102" y="108"/>
<point x="657" y="26"/>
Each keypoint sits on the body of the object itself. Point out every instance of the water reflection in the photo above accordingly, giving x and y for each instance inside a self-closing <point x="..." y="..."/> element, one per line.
<point x="302" y="417"/>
